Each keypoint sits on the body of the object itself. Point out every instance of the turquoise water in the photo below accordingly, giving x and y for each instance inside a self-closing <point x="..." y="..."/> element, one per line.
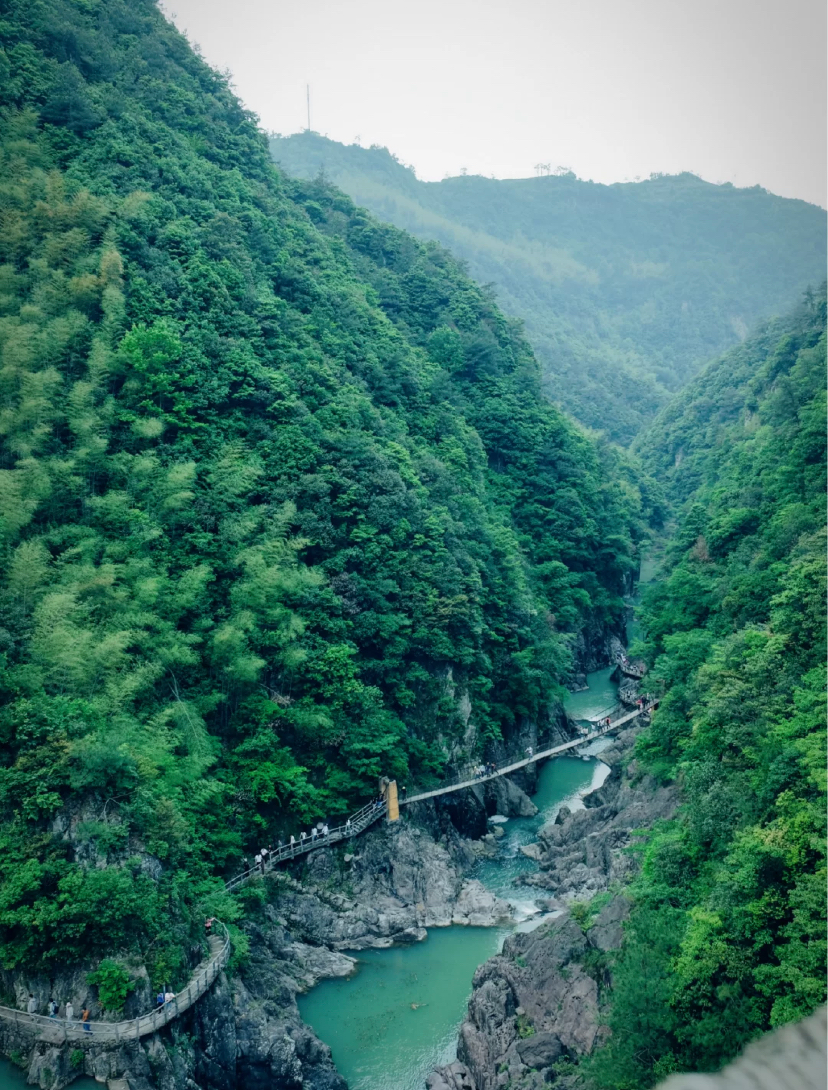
<point x="397" y="1017"/>
<point x="561" y="782"/>
<point x="12" y="1078"/>
<point x="597" y="700"/>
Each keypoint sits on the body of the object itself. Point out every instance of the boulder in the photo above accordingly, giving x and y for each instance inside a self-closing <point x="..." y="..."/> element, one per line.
<point x="454" y="1076"/>
<point x="540" y="1050"/>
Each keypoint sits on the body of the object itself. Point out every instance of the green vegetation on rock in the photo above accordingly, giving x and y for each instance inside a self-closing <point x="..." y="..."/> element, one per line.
<point x="627" y="290"/>
<point x="727" y="936"/>
<point x="282" y="506"/>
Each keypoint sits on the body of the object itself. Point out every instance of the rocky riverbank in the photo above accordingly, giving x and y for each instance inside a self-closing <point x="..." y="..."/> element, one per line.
<point x="387" y="887"/>
<point x="538" y="1003"/>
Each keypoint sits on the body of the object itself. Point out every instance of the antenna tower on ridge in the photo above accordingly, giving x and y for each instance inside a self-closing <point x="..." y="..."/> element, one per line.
<point x="307" y="93"/>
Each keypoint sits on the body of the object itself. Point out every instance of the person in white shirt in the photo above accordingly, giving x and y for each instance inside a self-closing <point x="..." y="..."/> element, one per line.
<point x="70" y="1012"/>
<point x="31" y="1006"/>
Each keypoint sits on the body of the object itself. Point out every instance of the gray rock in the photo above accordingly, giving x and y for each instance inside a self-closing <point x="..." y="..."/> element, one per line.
<point x="607" y="931"/>
<point x="454" y="1076"/>
<point x="502" y="796"/>
<point x="540" y="1050"/>
<point x="541" y="972"/>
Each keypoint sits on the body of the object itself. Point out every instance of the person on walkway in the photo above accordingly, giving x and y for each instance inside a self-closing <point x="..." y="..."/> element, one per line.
<point x="245" y="864"/>
<point x="265" y="856"/>
<point x="314" y="835"/>
<point x="69" y="1013"/>
<point x="302" y="839"/>
<point x="159" y="999"/>
<point x="31" y="1006"/>
<point x="257" y="860"/>
<point x="292" y="843"/>
<point x="169" y="997"/>
<point x="86" y="1014"/>
<point x="404" y="793"/>
<point x="325" y="830"/>
<point x="529" y="750"/>
<point x="348" y="827"/>
<point x="53" y="1008"/>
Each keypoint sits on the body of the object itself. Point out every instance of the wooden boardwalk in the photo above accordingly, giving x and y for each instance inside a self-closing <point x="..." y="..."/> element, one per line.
<point x="58" y="1031"/>
<point x="541" y="756"/>
<point x="355" y="825"/>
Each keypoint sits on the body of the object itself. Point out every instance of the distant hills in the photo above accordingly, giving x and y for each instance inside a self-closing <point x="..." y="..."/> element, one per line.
<point x="626" y="290"/>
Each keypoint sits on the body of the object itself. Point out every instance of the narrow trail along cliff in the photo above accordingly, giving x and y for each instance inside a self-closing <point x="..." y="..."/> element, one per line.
<point x="57" y="1031"/>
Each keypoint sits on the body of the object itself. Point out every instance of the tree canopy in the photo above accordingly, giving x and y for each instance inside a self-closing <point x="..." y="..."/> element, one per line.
<point x="282" y="505"/>
<point x="627" y="290"/>
<point x="728" y="924"/>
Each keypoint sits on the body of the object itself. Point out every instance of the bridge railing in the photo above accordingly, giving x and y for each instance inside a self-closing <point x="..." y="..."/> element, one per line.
<point x="600" y="728"/>
<point x="58" y="1030"/>
<point x="354" y="825"/>
<point x="468" y="773"/>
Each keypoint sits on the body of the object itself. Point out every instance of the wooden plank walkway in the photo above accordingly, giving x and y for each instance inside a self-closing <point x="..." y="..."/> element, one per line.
<point x="58" y="1030"/>
<point x="355" y="825"/>
<point x="542" y="756"/>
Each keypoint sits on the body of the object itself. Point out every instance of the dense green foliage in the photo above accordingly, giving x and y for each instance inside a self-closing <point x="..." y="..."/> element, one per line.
<point x="626" y="290"/>
<point x="282" y="507"/>
<point x="727" y="936"/>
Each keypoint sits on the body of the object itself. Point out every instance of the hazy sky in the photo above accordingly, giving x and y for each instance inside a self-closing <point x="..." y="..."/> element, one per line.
<point x="734" y="90"/>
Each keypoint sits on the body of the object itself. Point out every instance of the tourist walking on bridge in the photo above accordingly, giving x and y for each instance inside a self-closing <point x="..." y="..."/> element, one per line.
<point x="69" y="1012"/>
<point x="31" y="1006"/>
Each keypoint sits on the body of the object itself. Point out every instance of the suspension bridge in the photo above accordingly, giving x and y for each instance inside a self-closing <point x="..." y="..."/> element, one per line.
<point x="60" y="1030"/>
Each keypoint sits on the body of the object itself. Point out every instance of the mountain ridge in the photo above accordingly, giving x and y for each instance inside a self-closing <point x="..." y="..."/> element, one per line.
<point x="626" y="289"/>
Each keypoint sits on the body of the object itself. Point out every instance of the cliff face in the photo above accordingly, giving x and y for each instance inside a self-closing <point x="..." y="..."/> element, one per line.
<point x="535" y="1008"/>
<point x="246" y="1032"/>
<point x="596" y="646"/>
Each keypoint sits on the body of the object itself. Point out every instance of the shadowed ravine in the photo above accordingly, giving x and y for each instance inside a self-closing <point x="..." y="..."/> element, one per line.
<point x="398" y="1016"/>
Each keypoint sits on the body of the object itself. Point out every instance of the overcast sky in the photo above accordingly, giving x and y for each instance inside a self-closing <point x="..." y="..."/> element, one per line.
<point x="734" y="90"/>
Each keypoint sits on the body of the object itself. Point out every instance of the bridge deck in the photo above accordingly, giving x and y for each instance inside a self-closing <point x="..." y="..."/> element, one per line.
<point x="542" y="756"/>
<point x="58" y="1030"/>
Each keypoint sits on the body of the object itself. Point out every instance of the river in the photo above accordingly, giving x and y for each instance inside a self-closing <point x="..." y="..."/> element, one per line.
<point x="397" y="1017"/>
<point x="13" y="1078"/>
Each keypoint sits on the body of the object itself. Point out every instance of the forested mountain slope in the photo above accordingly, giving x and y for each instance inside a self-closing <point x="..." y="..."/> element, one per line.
<point x="282" y="505"/>
<point x="626" y="290"/>
<point x="727" y="934"/>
